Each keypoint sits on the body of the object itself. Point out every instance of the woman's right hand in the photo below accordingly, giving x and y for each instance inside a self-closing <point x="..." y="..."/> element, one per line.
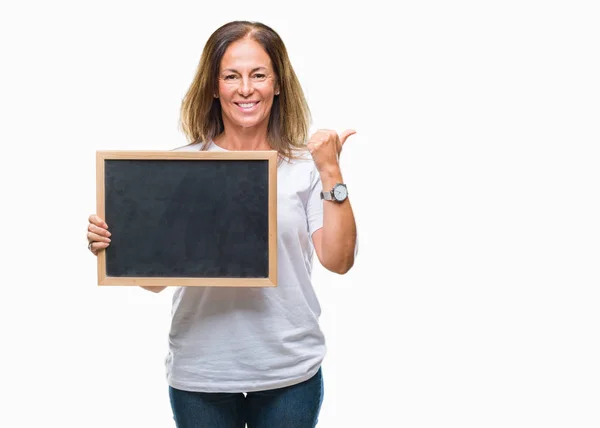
<point x="98" y="235"/>
<point x="99" y="239"/>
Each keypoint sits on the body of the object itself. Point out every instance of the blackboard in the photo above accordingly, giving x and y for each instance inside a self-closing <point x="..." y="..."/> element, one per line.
<point x="188" y="218"/>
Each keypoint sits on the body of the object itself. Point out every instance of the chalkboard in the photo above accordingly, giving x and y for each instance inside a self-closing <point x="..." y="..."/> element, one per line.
<point x="188" y="218"/>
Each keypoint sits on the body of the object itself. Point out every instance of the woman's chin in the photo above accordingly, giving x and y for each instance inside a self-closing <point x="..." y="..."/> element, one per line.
<point x="247" y="122"/>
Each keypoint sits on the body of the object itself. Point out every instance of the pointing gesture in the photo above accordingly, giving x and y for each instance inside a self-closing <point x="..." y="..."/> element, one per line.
<point x="325" y="147"/>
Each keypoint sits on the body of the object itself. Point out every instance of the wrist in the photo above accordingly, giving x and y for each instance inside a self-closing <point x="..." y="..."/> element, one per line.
<point x="330" y="177"/>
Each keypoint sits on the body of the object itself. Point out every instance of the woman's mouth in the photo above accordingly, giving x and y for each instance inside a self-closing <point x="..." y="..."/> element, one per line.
<point x="247" y="106"/>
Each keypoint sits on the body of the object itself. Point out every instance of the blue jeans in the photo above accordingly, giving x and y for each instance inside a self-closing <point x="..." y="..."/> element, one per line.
<point x="295" y="406"/>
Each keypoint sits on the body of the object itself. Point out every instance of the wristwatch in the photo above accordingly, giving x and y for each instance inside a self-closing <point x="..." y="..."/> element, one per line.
<point x="339" y="193"/>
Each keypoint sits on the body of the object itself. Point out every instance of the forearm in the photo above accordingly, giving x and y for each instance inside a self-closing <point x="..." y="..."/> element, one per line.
<point x="339" y="228"/>
<point x="153" y="288"/>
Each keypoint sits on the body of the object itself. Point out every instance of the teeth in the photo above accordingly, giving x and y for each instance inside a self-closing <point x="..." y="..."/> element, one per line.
<point x="246" y="105"/>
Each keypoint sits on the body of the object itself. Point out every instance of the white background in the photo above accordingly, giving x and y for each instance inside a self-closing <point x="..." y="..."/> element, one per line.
<point x="474" y="177"/>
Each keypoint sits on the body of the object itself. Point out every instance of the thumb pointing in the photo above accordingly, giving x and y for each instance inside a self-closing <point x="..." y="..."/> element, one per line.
<point x="344" y="135"/>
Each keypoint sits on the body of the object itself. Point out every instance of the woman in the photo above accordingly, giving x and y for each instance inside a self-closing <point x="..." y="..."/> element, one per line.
<point x="253" y="355"/>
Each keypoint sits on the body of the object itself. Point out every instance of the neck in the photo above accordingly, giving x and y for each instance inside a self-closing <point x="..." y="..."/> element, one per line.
<point x="243" y="139"/>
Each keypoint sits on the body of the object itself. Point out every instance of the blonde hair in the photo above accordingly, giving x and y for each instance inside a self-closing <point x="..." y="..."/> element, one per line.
<point x="290" y="116"/>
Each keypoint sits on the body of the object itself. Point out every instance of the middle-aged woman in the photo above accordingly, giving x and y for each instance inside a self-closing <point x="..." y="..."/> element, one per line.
<point x="253" y="355"/>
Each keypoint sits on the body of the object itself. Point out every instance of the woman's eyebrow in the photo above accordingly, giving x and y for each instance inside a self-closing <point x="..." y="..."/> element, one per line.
<point x="252" y="71"/>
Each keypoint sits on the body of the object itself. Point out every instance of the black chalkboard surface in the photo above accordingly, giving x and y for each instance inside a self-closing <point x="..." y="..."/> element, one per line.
<point x="188" y="218"/>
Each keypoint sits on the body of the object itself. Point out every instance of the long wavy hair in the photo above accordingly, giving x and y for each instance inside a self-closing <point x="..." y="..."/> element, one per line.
<point x="290" y="117"/>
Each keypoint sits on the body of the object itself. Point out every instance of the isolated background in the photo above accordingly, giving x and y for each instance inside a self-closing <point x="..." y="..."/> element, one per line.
<point x="474" y="179"/>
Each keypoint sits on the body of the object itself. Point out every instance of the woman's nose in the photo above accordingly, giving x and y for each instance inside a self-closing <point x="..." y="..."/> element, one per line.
<point x="245" y="88"/>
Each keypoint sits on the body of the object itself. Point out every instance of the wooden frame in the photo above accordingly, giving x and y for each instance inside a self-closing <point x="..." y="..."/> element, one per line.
<point x="270" y="156"/>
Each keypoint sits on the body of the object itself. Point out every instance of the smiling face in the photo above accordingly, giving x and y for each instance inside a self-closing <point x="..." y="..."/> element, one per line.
<point x="247" y="85"/>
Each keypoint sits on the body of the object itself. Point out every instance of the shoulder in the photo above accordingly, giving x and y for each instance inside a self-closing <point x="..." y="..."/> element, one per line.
<point x="301" y="159"/>
<point x="300" y="169"/>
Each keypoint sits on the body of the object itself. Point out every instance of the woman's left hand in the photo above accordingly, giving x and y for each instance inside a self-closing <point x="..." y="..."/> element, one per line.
<point x="325" y="147"/>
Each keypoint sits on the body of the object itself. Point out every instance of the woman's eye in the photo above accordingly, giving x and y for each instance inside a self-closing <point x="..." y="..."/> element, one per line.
<point x="230" y="77"/>
<point x="259" y="76"/>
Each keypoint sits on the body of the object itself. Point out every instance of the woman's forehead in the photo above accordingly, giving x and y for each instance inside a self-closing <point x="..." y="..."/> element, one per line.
<point x="245" y="54"/>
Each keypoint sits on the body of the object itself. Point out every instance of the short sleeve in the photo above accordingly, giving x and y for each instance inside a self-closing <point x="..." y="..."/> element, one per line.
<point x="314" y="206"/>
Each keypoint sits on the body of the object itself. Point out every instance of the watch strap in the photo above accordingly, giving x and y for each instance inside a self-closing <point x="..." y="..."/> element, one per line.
<point x="327" y="196"/>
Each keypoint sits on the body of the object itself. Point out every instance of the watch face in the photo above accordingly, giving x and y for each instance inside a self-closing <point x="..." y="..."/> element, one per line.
<point x="340" y="192"/>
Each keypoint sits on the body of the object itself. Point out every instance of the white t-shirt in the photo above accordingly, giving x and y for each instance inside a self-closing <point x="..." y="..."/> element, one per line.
<point x="230" y="339"/>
